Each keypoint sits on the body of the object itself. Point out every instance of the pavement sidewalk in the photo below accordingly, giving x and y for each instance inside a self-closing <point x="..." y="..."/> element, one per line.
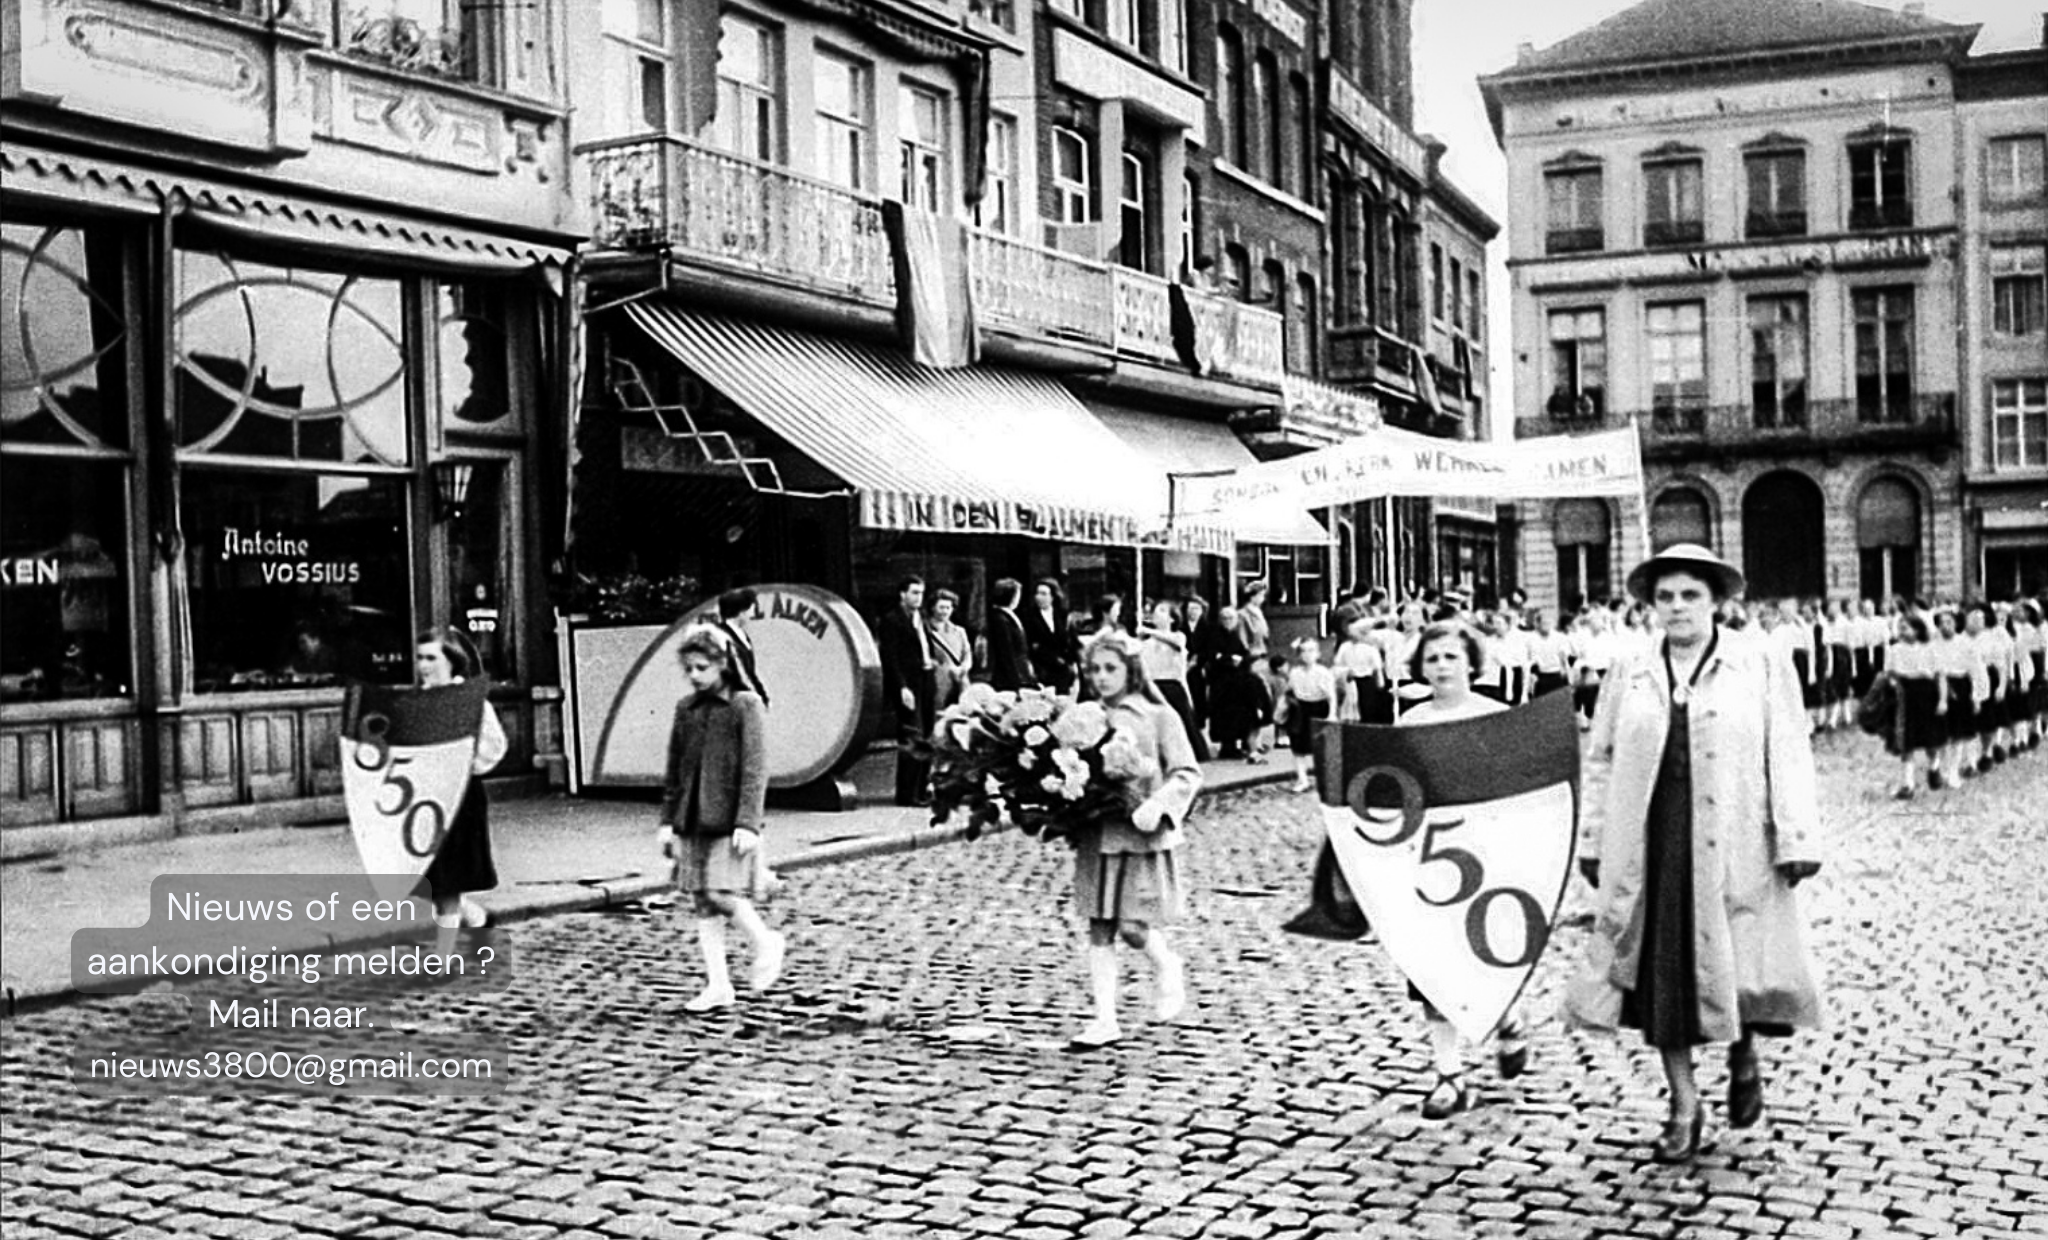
<point x="554" y="854"/>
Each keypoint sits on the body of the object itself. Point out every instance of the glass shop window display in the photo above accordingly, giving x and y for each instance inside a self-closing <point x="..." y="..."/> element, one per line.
<point x="65" y="462"/>
<point x="295" y="456"/>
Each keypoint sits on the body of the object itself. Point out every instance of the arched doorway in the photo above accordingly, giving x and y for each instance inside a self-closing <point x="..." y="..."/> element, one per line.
<point x="1784" y="553"/>
<point x="1680" y="515"/>
<point x="1888" y="539"/>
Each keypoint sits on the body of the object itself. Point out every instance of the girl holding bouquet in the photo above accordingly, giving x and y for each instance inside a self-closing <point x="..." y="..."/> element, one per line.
<point x="1126" y="882"/>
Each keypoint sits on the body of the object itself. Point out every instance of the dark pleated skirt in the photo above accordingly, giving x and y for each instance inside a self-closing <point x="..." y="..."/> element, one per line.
<point x="1665" y="1003"/>
<point x="1810" y="688"/>
<point x="1991" y="716"/>
<point x="1301" y="722"/>
<point x="1919" y="726"/>
<point x="1549" y="682"/>
<point x="464" y="862"/>
<point x="1962" y="709"/>
<point x="1841" y="673"/>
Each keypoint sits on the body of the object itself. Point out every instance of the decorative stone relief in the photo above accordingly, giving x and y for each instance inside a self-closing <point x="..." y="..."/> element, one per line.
<point x="413" y="121"/>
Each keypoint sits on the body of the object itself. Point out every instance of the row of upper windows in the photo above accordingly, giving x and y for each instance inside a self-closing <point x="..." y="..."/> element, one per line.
<point x="1776" y="200"/>
<point x="1779" y="359"/>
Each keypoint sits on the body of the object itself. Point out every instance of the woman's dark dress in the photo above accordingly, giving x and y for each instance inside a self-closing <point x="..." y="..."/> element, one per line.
<point x="464" y="862"/>
<point x="1665" y="1003"/>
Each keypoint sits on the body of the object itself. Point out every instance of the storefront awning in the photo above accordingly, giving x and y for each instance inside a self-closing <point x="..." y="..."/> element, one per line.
<point x="1180" y="446"/>
<point x="975" y="450"/>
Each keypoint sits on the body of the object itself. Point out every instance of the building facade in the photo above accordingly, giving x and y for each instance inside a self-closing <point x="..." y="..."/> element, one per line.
<point x="282" y="353"/>
<point x="1746" y="245"/>
<point x="2002" y="131"/>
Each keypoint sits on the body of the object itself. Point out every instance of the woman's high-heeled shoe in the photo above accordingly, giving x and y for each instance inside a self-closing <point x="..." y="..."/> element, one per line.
<point x="1680" y="1140"/>
<point x="1745" y="1086"/>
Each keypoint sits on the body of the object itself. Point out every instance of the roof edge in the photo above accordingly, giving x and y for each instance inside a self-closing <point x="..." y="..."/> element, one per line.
<point x="1951" y="41"/>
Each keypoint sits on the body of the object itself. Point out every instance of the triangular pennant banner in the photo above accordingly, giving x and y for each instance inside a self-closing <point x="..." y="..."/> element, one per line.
<point x="405" y="758"/>
<point x="1457" y="841"/>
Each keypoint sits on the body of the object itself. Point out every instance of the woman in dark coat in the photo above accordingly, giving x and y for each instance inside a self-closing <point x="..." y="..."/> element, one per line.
<point x="1045" y="636"/>
<point x="1236" y="700"/>
<point x="1201" y="633"/>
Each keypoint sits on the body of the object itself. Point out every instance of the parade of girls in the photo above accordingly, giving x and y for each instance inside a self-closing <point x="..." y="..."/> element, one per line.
<point x="1700" y="710"/>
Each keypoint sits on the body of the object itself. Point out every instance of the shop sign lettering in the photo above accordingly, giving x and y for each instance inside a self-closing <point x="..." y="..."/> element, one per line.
<point x="28" y="571"/>
<point x="1366" y="120"/>
<point x="284" y="560"/>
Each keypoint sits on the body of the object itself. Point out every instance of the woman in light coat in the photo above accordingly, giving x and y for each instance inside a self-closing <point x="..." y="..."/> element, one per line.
<point x="1699" y="816"/>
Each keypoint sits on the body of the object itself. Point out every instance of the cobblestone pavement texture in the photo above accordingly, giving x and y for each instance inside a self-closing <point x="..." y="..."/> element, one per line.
<point x="907" y="1080"/>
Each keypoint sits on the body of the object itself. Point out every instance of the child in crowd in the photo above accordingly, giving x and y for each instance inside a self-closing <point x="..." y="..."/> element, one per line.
<point x="1311" y="690"/>
<point x="713" y="813"/>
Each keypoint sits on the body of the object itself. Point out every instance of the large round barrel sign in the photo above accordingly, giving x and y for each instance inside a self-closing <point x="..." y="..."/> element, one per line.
<point x="816" y="659"/>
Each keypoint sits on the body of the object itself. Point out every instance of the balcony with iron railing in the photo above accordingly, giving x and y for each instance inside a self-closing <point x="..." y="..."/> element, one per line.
<point x="737" y="216"/>
<point x="1926" y="420"/>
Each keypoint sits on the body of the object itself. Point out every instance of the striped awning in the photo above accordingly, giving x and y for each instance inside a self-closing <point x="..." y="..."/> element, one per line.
<point x="979" y="449"/>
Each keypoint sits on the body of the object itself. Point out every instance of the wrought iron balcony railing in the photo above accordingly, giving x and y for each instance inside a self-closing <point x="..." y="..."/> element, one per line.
<point x="735" y="214"/>
<point x="1930" y="418"/>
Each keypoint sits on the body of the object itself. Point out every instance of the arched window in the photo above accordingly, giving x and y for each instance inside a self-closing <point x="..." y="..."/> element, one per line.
<point x="1582" y="535"/>
<point x="1232" y="97"/>
<point x="1680" y="515"/>
<point x="1888" y="539"/>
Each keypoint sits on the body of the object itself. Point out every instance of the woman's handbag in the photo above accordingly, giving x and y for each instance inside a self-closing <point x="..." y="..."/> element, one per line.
<point x="1332" y="911"/>
<point x="1879" y="708"/>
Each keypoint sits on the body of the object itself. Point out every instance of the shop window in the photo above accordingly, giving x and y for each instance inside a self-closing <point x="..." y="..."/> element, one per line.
<point x="2015" y="168"/>
<point x="476" y="359"/>
<point x="1777" y="194"/>
<point x="1578" y="364"/>
<point x="1878" y="184"/>
<point x="482" y="566"/>
<point x="2019" y="291"/>
<point x="1884" y="354"/>
<point x="2019" y="423"/>
<point x="1298" y="575"/>
<point x="290" y="364"/>
<point x="63" y="578"/>
<point x="1777" y="362"/>
<point x="297" y="579"/>
<point x="1572" y="202"/>
<point x="749" y="121"/>
<point x="1673" y="213"/>
<point x="1680" y="515"/>
<point x="63" y="338"/>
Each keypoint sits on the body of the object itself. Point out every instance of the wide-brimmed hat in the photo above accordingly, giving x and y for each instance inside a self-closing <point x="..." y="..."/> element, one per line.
<point x="1686" y="558"/>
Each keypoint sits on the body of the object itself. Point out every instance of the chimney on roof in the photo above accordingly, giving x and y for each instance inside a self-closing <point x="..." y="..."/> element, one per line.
<point x="1523" y="51"/>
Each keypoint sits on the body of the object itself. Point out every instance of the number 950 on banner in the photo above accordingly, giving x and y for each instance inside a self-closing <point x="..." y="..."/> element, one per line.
<point x="1456" y="840"/>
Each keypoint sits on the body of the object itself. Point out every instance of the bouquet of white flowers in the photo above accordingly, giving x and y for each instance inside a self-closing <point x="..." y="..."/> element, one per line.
<point x="1044" y="763"/>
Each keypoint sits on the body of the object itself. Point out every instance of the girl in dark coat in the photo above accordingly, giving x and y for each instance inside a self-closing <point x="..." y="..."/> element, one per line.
<point x="713" y="811"/>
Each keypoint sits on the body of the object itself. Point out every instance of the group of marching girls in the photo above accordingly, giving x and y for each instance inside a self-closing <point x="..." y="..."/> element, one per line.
<point x="1971" y="691"/>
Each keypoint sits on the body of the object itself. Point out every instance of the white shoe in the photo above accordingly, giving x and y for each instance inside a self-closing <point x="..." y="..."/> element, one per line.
<point x="768" y="961"/>
<point x="1101" y="1031"/>
<point x="1173" y="988"/>
<point x="474" y="915"/>
<point x="710" y="999"/>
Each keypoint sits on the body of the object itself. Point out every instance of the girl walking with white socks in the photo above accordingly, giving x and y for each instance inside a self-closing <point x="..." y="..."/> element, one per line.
<point x="713" y="813"/>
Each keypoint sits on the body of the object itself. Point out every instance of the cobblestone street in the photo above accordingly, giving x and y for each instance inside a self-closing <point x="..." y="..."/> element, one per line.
<point x="907" y="1079"/>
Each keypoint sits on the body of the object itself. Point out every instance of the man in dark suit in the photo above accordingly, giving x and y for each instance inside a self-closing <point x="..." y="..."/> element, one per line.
<point x="907" y="683"/>
<point x="735" y="607"/>
<point x="1009" y="655"/>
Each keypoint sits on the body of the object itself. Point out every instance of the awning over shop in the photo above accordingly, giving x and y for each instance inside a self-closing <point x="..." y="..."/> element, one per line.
<point x="974" y="450"/>
<point x="1181" y="446"/>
